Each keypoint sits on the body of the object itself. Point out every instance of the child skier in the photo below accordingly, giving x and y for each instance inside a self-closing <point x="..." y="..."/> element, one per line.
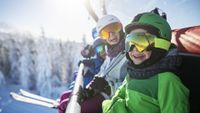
<point x="151" y="85"/>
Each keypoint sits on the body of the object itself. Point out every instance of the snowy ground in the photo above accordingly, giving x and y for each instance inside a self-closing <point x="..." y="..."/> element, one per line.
<point x="8" y="105"/>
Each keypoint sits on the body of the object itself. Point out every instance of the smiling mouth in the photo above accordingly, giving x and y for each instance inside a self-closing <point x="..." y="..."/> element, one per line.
<point x="114" y="40"/>
<point x="138" y="56"/>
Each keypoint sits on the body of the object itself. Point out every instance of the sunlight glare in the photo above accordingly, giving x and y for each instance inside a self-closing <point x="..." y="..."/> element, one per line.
<point x="68" y="17"/>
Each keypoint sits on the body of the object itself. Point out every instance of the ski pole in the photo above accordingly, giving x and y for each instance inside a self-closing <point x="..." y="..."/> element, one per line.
<point x="74" y="105"/>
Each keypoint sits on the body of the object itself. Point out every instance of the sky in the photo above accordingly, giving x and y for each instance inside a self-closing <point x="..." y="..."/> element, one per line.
<point x="69" y="20"/>
<point x="66" y="19"/>
<point x="180" y="13"/>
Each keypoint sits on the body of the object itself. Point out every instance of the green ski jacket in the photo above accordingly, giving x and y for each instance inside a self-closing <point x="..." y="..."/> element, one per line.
<point x="162" y="93"/>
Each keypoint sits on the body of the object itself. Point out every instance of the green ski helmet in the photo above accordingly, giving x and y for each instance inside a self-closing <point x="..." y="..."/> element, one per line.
<point x="154" y="24"/>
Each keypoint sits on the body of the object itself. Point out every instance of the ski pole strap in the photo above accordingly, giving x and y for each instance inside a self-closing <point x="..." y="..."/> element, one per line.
<point x="119" y="57"/>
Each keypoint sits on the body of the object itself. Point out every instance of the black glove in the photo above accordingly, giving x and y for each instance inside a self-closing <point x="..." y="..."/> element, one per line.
<point x="88" y="51"/>
<point x="88" y="63"/>
<point x="86" y="93"/>
<point x="99" y="84"/>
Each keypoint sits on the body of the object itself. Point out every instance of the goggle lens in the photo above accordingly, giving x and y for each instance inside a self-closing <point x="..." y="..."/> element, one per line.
<point x="100" y="49"/>
<point x="139" y="40"/>
<point x="111" y="28"/>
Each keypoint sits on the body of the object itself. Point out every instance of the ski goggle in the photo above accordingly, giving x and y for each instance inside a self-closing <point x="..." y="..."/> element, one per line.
<point x="111" y="28"/>
<point x="142" y="41"/>
<point x="100" y="49"/>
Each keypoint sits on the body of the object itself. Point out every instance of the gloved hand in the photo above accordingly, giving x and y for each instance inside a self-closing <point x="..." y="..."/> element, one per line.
<point x="88" y="51"/>
<point x="99" y="84"/>
<point x="86" y="93"/>
<point x="86" y="62"/>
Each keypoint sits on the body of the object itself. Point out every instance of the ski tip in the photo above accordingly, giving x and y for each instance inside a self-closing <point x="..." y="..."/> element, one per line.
<point x="21" y="90"/>
<point x="12" y="93"/>
<point x="25" y="99"/>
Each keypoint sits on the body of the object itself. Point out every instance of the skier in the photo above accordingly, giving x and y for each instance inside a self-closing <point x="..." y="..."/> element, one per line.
<point x="108" y="79"/>
<point x="151" y="84"/>
<point x="111" y="73"/>
<point x="93" y="65"/>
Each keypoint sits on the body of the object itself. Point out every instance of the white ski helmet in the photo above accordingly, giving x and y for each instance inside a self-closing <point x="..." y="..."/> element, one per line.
<point x="106" y="20"/>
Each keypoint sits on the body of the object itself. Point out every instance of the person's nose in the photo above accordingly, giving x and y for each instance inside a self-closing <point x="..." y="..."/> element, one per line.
<point x="112" y="33"/>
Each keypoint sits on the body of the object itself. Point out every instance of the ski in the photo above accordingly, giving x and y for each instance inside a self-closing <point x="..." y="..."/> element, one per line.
<point x="25" y="99"/>
<point x="34" y="96"/>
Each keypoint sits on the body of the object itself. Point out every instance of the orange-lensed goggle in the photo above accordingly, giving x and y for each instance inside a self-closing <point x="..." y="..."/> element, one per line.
<point x="111" y="28"/>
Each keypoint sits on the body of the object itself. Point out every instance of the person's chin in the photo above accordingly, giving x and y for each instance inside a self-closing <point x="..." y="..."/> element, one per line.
<point x="114" y="42"/>
<point x="137" y="62"/>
